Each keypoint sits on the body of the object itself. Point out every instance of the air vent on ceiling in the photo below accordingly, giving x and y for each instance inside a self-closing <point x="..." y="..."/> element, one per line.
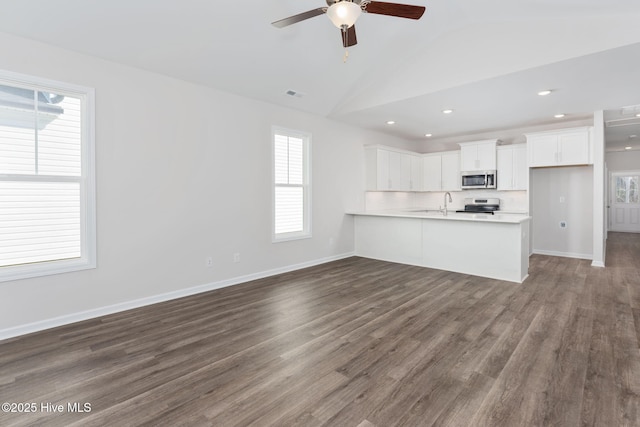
<point x="623" y="122"/>
<point x="631" y="110"/>
<point x="294" y="93"/>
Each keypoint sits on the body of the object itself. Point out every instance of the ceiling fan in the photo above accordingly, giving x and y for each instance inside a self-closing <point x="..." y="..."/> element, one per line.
<point x="344" y="13"/>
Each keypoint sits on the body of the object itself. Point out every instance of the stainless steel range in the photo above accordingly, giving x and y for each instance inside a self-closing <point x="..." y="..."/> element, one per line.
<point x="479" y="205"/>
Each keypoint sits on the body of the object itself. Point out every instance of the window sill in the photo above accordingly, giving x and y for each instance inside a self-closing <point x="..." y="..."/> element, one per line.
<point x="40" y="269"/>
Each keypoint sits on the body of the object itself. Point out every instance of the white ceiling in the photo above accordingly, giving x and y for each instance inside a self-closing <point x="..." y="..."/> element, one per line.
<point x="484" y="59"/>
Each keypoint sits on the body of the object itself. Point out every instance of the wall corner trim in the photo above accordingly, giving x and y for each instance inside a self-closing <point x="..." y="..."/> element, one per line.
<point x="54" y="322"/>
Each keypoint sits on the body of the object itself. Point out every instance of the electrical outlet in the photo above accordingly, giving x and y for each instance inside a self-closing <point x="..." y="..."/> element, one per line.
<point x="562" y="199"/>
<point x="209" y="262"/>
<point x="563" y="224"/>
<point x="236" y="257"/>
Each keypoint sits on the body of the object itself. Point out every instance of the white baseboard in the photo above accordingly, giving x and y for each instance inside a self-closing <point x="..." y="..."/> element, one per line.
<point x="128" y="305"/>
<point x="597" y="264"/>
<point x="563" y="254"/>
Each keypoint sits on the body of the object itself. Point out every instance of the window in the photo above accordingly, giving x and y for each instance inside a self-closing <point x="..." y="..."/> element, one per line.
<point x="47" y="200"/>
<point x="291" y="189"/>
<point x="627" y="189"/>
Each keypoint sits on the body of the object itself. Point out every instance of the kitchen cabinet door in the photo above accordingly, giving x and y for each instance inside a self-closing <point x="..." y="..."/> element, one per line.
<point x="416" y="173"/>
<point x="512" y="169"/>
<point x="392" y="170"/>
<point x="487" y="156"/>
<point x="543" y="150"/>
<point x="451" y="171"/>
<point x="520" y="168"/>
<point x="505" y="168"/>
<point x="431" y="172"/>
<point x="560" y="148"/>
<point x="377" y="169"/>
<point x="478" y="156"/>
<point x="396" y="176"/>
<point x="469" y="158"/>
<point x="573" y="148"/>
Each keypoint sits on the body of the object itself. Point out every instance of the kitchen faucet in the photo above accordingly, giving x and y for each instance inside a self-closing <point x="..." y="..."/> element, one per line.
<point x="444" y="211"/>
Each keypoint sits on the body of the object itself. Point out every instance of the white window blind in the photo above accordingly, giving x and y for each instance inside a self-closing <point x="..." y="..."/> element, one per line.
<point x="47" y="219"/>
<point x="291" y="189"/>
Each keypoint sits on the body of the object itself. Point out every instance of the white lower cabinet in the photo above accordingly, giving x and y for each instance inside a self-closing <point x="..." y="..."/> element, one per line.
<point x="512" y="169"/>
<point x="498" y="250"/>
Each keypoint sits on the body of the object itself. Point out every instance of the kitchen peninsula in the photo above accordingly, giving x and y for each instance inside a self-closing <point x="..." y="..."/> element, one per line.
<point x="494" y="246"/>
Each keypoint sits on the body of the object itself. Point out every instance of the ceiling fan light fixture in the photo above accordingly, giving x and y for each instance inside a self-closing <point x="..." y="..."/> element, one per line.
<point x="344" y="13"/>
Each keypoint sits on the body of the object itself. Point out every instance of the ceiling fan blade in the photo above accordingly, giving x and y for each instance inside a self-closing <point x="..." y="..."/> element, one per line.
<point x="395" y="9"/>
<point x="349" y="37"/>
<point x="299" y="17"/>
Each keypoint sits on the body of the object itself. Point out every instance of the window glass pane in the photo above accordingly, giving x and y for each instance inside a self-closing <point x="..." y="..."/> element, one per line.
<point x="59" y="136"/>
<point x="289" y="206"/>
<point x="39" y="221"/>
<point x="295" y="161"/>
<point x="633" y="189"/>
<point x="281" y="155"/>
<point x="17" y="131"/>
<point x="621" y="190"/>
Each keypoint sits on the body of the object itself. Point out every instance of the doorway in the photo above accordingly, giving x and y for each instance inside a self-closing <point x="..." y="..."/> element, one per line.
<point x="624" y="202"/>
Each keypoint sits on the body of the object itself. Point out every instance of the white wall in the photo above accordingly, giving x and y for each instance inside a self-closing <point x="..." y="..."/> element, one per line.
<point x="183" y="173"/>
<point x="575" y="186"/>
<point x="623" y="160"/>
<point x="599" y="181"/>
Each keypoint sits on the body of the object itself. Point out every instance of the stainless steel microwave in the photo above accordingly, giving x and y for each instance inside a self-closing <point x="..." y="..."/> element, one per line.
<point x="478" y="179"/>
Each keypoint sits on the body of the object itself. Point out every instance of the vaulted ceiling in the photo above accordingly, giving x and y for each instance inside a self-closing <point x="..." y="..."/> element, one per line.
<point x="486" y="59"/>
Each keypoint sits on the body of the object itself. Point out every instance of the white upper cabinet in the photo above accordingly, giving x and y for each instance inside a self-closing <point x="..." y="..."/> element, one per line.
<point x="512" y="170"/>
<point x="441" y="171"/>
<point x="416" y="173"/>
<point x="478" y="156"/>
<point x="451" y="171"/>
<point x="392" y="170"/>
<point x="432" y="172"/>
<point x="560" y="147"/>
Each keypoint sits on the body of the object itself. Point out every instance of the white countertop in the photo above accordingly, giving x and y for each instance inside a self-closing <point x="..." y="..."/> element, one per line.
<point x="509" y="218"/>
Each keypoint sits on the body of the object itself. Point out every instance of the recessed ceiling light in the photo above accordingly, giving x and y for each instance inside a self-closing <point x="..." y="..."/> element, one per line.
<point x="559" y="116"/>
<point x="638" y="115"/>
<point x="627" y="148"/>
<point x="391" y="122"/>
<point x="544" y="92"/>
<point x="633" y="136"/>
<point x="447" y="111"/>
<point x="428" y="135"/>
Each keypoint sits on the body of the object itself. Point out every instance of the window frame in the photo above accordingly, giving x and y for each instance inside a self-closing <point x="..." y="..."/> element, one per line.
<point x="306" y="232"/>
<point x="87" y="180"/>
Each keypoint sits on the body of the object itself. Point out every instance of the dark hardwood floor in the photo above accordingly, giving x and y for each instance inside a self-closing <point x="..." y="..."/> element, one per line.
<point x="356" y="342"/>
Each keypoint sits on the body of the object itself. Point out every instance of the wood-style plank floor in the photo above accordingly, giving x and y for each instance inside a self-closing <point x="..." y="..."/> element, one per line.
<point x="355" y="342"/>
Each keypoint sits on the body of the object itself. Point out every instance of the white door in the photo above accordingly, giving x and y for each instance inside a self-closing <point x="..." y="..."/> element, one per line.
<point x="624" y="211"/>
